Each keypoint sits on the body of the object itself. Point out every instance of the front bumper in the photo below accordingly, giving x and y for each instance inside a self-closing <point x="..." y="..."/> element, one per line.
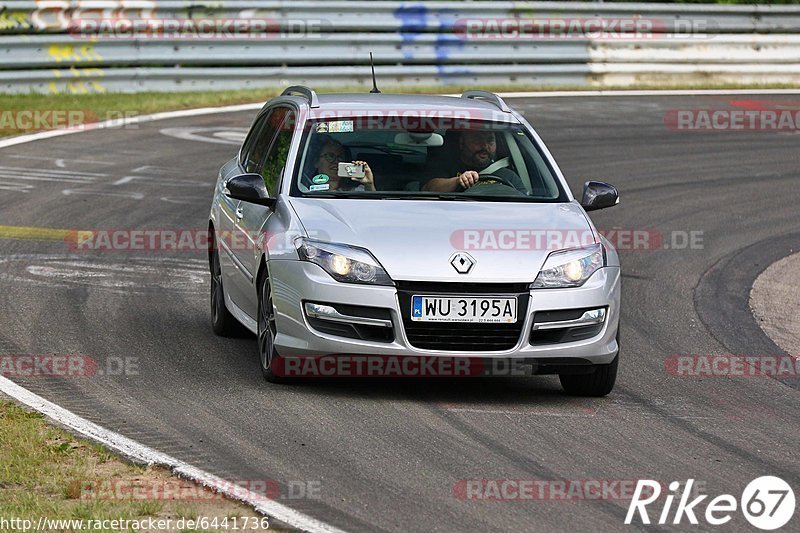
<point x="295" y="283"/>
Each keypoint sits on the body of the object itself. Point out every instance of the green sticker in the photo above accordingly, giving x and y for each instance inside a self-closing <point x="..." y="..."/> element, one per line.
<point x="320" y="178"/>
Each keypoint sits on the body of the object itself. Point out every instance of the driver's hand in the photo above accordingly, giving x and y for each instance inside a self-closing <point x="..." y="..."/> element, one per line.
<point x="368" y="180"/>
<point x="467" y="179"/>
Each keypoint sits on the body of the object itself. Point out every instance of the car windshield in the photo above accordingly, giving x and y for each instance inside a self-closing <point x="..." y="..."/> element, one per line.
<point x="369" y="157"/>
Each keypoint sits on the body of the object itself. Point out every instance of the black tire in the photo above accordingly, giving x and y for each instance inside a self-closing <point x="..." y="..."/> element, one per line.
<point x="267" y="331"/>
<point x="223" y="322"/>
<point x="599" y="383"/>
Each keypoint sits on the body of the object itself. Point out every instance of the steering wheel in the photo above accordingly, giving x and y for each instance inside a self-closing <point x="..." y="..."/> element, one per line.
<point x="487" y="174"/>
<point x="493" y="178"/>
<point x="499" y="186"/>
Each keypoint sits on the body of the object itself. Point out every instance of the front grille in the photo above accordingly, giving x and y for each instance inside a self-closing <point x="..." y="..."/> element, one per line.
<point x="459" y="288"/>
<point x="455" y="337"/>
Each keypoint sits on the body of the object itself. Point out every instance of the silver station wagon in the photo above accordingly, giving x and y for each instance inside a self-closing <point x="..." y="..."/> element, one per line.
<point x="378" y="227"/>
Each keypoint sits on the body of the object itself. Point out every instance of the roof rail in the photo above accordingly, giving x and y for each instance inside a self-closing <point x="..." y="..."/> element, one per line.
<point x="491" y="97"/>
<point x="302" y="90"/>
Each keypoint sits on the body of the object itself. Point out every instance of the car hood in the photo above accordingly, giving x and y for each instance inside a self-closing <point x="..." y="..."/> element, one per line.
<point x="415" y="239"/>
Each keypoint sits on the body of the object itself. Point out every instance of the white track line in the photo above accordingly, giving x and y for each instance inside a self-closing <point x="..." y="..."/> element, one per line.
<point x="143" y="454"/>
<point x="118" y="123"/>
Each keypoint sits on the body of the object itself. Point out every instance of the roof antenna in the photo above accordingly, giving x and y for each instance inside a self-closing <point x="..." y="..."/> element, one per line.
<point x="374" y="83"/>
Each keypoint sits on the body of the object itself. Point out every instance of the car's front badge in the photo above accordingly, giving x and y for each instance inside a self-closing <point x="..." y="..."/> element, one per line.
<point x="462" y="262"/>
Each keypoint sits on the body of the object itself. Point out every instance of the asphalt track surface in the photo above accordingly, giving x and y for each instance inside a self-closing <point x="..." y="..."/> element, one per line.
<point x="387" y="455"/>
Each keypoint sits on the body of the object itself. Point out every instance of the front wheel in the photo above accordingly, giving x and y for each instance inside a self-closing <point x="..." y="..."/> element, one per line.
<point x="267" y="331"/>
<point x="599" y="383"/>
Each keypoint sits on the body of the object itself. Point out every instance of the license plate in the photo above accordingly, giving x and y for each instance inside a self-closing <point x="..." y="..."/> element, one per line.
<point x="463" y="309"/>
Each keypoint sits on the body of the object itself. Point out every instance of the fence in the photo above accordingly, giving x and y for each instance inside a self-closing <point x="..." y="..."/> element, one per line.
<point x="136" y="45"/>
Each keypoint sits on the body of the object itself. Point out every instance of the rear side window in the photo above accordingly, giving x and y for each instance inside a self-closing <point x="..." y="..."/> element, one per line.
<point x="257" y="143"/>
<point x="275" y="160"/>
<point x="267" y="146"/>
<point x="260" y="139"/>
<point x="247" y="147"/>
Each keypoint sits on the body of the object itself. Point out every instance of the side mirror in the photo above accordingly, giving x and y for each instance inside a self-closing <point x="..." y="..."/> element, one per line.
<point x="598" y="195"/>
<point x="249" y="188"/>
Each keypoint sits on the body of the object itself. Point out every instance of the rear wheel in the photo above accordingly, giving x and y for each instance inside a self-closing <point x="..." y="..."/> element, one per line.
<point x="222" y="321"/>
<point x="598" y="383"/>
<point x="267" y="331"/>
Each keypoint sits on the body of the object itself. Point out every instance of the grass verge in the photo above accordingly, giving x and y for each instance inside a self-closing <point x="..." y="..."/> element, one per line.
<point x="46" y="472"/>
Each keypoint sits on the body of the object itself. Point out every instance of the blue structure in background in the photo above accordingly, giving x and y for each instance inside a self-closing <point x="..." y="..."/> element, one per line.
<point x="417" y="20"/>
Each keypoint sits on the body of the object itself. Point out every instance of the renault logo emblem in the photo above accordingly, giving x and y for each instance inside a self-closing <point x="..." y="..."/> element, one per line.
<point x="462" y="262"/>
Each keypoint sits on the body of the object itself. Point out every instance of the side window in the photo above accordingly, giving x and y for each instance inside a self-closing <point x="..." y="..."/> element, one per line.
<point x="259" y="141"/>
<point x="250" y="141"/>
<point x="279" y="152"/>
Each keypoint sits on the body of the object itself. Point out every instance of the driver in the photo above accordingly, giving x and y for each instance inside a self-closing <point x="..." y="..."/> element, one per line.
<point x="477" y="150"/>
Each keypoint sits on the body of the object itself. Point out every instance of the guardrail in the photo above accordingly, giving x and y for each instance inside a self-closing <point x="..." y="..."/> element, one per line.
<point x="393" y="16"/>
<point x="81" y="46"/>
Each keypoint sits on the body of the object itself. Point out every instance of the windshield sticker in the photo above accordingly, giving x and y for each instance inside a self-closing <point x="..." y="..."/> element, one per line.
<point x="339" y="126"/>
<point x="320" y="178"/>
<point x="322" y="187"/>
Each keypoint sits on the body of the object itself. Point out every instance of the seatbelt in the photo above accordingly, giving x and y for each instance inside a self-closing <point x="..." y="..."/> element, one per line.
<point x="497" y="165"/>
<point x="522" y="170"/>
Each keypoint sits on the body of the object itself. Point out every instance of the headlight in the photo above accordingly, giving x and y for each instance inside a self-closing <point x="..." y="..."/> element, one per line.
<point x="570" y="268"/>
<point x="344" y="263"/>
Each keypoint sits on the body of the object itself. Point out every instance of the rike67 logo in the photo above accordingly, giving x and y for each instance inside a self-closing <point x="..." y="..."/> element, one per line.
<point x="767" y="503"/>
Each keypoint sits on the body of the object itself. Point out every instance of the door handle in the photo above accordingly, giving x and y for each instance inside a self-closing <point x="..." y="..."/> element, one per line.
<point x="239" y="213"/>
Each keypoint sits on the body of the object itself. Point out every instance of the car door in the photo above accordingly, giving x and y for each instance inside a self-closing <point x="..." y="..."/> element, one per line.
<point x="250" y="218"/>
